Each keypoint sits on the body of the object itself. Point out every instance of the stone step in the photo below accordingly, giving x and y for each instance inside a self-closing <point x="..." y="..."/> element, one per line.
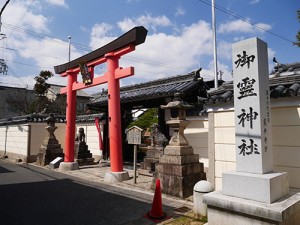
<point x="54" y="151"/>
<point x="88" y="161"/>
<point x="178" y="150"/>
<point x="177" y="186"/>
<point x="154" y="153"/>
<point x="145" y="172"/>
<point x="179" y="170"/>
<point x="83" y="155"/>
<point x="179" y="160"/>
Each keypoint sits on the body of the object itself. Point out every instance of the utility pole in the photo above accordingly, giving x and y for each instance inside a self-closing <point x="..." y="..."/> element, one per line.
<point x="2" y="12"/>
<point x="3" y="66"/>
<point x="214" y="42"/>
<point x="69" y="48"/>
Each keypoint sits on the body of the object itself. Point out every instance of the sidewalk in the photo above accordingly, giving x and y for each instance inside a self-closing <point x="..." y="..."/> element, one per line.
<point x="96" y="173"/>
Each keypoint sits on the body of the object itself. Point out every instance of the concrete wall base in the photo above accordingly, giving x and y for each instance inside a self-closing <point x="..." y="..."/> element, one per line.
<point x="67" y="166"/>
<point x="114" y="177"/>
<point x="228" y="210"/>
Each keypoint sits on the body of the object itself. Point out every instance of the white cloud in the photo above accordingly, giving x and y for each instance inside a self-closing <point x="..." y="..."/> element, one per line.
<point x="23" y="18"/>
<point x="165" y="55"/>
<point x="162" y="54"/>
<point x="39" y="51"/>
<point x="242" y="26"/>
<point x="225" y="50"/>
<point x="180" y="11"/>
<point x="101" y="34"/>
<point x="254" y="2"/>
<point x="58" y="3"/>
<point x="147" y="21"/>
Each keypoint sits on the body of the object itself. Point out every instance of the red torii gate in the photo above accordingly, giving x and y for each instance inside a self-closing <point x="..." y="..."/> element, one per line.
<point x="110" y="53"/>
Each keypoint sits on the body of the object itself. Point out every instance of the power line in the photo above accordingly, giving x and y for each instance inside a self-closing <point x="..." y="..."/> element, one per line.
<point x="222" y="9"/>
<point x="17" y="76"/>
<point x="21" y="17"/>
<point x="25" y="64"/>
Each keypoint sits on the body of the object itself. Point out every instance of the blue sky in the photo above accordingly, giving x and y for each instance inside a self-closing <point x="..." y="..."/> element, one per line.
<point x="179" y="36"/>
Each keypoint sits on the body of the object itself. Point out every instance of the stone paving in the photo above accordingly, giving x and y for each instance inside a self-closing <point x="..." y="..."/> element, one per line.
<point x="96" y="173"/>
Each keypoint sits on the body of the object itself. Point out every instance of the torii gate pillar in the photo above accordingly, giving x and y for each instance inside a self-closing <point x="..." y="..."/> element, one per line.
<point x="110" y="54"/>
<point x="114" y="116"/>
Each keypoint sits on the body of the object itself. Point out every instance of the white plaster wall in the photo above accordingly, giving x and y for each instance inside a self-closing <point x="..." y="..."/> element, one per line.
<point x="26" y="140"/>
<point x="286" y="143"/>
<point x="197" y="135"/>
<point x="14" y="139"/>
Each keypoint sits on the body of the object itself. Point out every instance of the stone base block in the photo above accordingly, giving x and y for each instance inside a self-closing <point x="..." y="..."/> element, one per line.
<point x="152" y="153"/>
<point x="265" y="188"/>
<point x="145" y="172"/>
<point x="178" y="159"/>
<point x="149" y="164"/>
<point x="178" y="150"/>
<point x="83" y="155"/>
<point x="228" y="210"/>
<point x="44" y="157"/>
<point x="114" y="177"/>
<point x="55" y="163"/>
<point x="67" y="166"/>
<point x="177" y="186"/>
<point x="179" y="170"/>
<point x="85" y="161"/>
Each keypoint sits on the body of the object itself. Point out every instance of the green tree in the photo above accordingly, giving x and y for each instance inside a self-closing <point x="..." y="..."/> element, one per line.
<point x="41" y="85"/>
<point x="40" y="88"/>
<point x="298" y="34"/>
<point x="146" y="120"/>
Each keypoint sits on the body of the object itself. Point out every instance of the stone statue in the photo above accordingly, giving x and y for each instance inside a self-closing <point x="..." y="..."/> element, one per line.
<point x="157" y="138"/>
<point x="82" y="153"/>
<point x="81" y="135"/>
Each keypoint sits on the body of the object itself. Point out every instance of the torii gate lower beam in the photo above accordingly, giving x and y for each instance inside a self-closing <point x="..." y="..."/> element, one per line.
<point x="112" y="76"/>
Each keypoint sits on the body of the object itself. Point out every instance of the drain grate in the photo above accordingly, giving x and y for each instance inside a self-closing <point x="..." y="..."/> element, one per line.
<point x="183" y="209"/>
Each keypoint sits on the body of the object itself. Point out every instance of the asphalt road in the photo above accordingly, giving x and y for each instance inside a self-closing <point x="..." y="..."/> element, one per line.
<point x="31" y="195"/>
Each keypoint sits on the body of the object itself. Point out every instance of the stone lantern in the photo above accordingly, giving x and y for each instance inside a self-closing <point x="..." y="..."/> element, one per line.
<point x="178" y="120"/>
<point x="178" y="168"/>
<point x="50" y="148"/>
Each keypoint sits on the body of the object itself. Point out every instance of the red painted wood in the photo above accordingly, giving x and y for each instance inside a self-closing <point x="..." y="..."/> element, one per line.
<point x="112" y="76"/>
<point x="71" y="118"/>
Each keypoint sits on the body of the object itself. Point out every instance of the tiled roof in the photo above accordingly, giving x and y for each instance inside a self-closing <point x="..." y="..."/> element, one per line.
<point x="284" y="81"/>
<point x="41" y="118"/>
<point x="55" y="89"/>
<point x="156" y="90"/>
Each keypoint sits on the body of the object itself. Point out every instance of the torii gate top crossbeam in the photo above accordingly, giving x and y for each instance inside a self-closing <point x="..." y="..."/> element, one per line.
<point x="133" y="37"/>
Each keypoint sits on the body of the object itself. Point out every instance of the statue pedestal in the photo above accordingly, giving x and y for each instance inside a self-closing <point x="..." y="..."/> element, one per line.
<point x="82" y="155"/>
<point x="50" y="149"/>
<point x="152" y="157"/>
<point x="178" y="170"/>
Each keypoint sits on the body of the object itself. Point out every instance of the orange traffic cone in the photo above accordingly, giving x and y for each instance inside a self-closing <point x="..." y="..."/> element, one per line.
<point x="156" y="213"/>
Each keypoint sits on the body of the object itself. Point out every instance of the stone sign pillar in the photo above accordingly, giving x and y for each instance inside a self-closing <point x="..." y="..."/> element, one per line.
<point x="253" y="194"/>
<point x="253" y="178"/>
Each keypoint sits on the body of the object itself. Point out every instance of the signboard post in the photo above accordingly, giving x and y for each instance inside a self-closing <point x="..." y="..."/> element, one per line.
<point x="134" y="137"/>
